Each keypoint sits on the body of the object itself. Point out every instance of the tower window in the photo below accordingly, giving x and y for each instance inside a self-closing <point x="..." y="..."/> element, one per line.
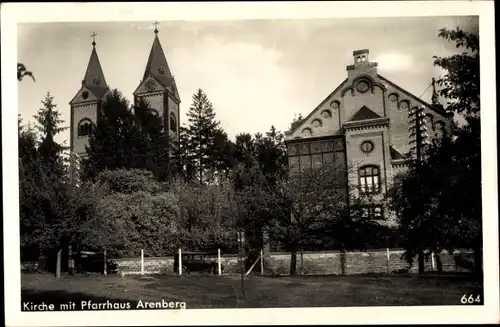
<point x="173" y="123"/>
<point x="84" y="127"/>
<point x="369" y="179"/>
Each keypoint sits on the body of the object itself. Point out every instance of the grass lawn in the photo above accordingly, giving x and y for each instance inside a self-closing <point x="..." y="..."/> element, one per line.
<point x="206" y="291"/>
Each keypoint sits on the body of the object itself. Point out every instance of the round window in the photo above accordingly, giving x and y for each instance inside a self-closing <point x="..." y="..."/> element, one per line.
<point x="85" y="94"/>
<point x="362" y="86"/>
<point x="367" y="146"/>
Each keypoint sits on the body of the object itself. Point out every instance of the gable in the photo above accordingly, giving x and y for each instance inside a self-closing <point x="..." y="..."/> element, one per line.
<point x="149" y="85"/>
<point x="436" y="109"/>
<point x="84" y="95"/>
<point x="323" y="120"/>
<point x="363" y="114"/>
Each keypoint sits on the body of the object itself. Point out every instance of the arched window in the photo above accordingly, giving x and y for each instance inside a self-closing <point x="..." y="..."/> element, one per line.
<point x="440" y="128"/>
<point x="369" y="179"/>
<point x="84" y="127"/>
<point x="430" y="120"/>
<point x="173" y="123"/>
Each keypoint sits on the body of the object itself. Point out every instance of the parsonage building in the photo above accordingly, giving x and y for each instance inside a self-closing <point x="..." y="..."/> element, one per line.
<point x="367" y="128"/>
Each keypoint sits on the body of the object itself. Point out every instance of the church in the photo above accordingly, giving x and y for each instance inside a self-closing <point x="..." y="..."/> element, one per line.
<point x="367" y="128"/>
<point x="157" y="87"/>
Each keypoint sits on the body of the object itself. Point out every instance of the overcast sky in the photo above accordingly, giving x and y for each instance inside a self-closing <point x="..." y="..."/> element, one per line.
<point x="257" y="73"/>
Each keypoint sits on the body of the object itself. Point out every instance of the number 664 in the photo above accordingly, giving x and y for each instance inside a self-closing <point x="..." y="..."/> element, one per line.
<point x="470" y="299"/>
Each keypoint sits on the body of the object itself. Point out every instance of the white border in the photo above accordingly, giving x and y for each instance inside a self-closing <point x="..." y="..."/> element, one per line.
<point x="53" y="12"/>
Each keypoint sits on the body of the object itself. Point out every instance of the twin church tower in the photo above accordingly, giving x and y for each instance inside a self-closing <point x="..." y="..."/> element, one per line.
<point x="157" y="87"/>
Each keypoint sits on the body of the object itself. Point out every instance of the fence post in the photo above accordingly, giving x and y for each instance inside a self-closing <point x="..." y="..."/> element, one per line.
<point x="261" y="262"/>
<point x="433" y="261"/>
<point x="388" y="261"/>
<point x="218" y="262"/>
<point x="180" y="262"/>
<point x="105" y="264"/>
<point x="142" y="262"/>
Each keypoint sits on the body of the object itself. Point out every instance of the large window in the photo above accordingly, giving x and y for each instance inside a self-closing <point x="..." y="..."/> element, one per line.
<point x="84" y="127"/>
<point x="369" y="179"/>
<point x="314" y="154"/>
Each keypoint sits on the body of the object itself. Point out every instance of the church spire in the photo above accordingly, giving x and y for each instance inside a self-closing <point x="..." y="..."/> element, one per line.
<point x="94" y="77"/>
<point x="434" y="98"/>
<point x="157" y="66"/>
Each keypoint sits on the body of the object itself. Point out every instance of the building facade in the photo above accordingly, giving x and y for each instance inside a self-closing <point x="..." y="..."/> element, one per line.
<point x="157" y="86"/>
<point x="365" y="127"/>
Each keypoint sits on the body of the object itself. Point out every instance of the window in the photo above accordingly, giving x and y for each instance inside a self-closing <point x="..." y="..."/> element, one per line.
<point x="84" y="127"/>
<point x="372" y="212"/>
<point x="173" y="123"/>
<point x="430" y="119"/>
<point x="316" y="154"/>
<point x="369" y="179"/>
<point x="367" y="146"/>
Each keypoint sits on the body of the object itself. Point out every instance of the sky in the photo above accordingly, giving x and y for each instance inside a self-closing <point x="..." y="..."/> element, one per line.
<point x="257" y="73"/>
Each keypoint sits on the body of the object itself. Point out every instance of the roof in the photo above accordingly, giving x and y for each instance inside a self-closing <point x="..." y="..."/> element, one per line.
<point x="395" y="154"/>
<point x="437" y="108"/>
<point x="157" y="68"/>
<point x="317" y="107"/>
<point x="364" y="113"/>
<point x="94" y="77"/>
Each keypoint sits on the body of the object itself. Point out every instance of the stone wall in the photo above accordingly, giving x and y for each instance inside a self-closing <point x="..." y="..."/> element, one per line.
<point x="309" y="263"/>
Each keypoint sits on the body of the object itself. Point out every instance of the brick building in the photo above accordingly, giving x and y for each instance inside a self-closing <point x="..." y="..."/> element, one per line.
<point x="157" y="87"/>
<point x="366" y="127"/>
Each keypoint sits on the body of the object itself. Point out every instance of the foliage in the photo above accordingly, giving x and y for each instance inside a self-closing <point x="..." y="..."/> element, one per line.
<point x="42" y="180"/>
<point x="461" y="82"/>
<point x="125" y="137"/>
<point x="22" y="72"/>
<point x="297" y="208"/>
<point x="204" y="146"/>
<point x="444" y="212"/>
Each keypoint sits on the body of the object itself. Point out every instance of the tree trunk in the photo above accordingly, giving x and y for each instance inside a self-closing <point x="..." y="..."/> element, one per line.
<point x="58" y="263"/>
<point x="293" y="262"/>
<point x="421" y="262"/>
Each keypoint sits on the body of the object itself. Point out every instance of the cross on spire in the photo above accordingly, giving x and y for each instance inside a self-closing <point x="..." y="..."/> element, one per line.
<point x="93" y="35"/>
<point x="156" y="26"/>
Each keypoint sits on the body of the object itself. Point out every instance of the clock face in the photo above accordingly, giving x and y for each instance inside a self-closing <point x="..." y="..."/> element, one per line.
<point x="161" y="70"/>
<point x="362" y="86"/>
<point x="97" y="81"/>
<point x="150" y="85"/>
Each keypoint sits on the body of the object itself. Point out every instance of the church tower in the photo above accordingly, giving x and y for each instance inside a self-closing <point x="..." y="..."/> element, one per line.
<point x="87" y="102"/>
<point x="158" y="88"/>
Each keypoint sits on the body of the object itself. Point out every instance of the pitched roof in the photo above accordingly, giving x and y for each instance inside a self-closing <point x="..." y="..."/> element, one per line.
<point x="157" y="66"/>
<point x="291" y="131"/>
<point x="395" y="154"/>
<point x="364" y="113"/>
<point x="437" y="108"/>
<point x="94" y="77"/>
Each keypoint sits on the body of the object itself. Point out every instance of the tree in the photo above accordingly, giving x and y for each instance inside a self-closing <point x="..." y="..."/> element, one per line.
<point x="297" y="208"/>
<point x="435" y="216"/>
<point x="127" y="137"/>
<point x="203" y="142"/>
<point x="132" y="212"/>
<point x="22" y="72"/>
